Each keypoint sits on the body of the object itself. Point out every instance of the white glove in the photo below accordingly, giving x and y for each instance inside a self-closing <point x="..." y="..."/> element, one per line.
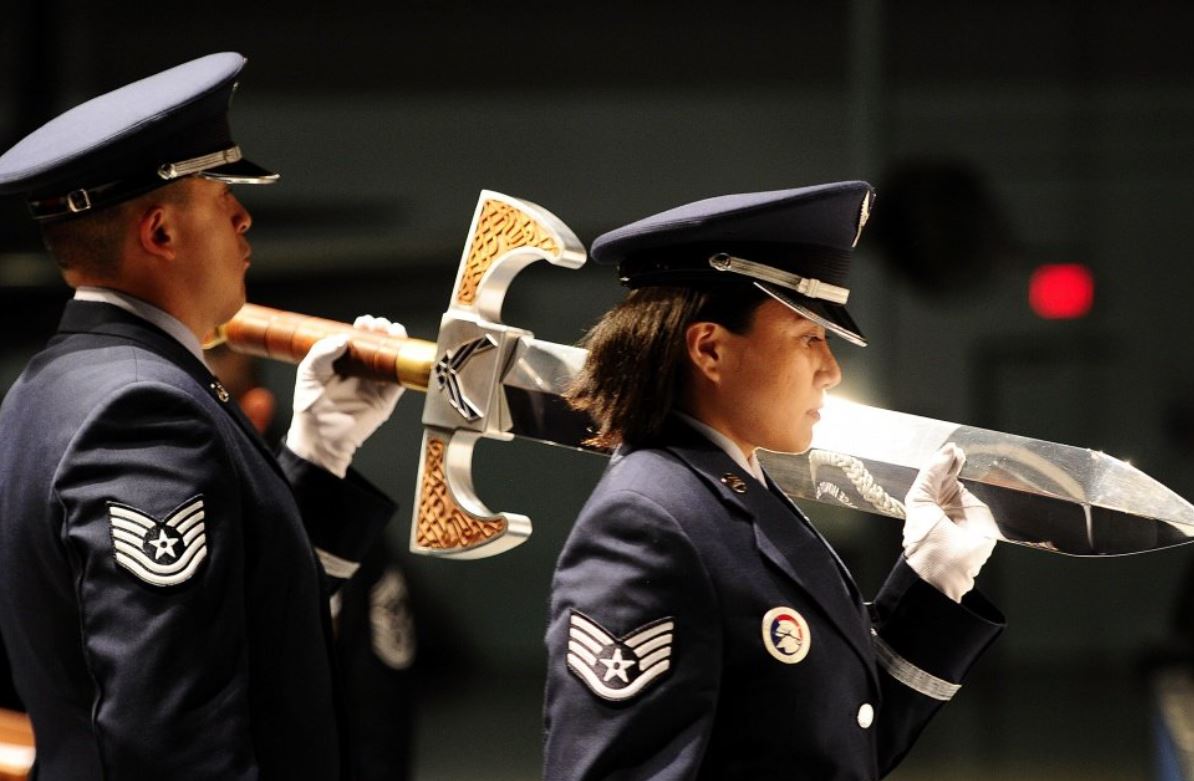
<point x="948" y="533"/>
<point x="334" y="415"/>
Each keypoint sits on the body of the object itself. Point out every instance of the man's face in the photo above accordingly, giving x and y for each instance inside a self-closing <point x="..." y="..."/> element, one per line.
<point x="213" y="247"/>
<point x="774" y="378"/>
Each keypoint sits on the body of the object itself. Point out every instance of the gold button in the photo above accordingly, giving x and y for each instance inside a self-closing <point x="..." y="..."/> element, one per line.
<point x="734" y="482"/>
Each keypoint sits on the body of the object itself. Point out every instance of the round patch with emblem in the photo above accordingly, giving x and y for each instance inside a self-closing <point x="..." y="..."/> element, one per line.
<point x="391" y="621"/>
<point x="786" y="635"/>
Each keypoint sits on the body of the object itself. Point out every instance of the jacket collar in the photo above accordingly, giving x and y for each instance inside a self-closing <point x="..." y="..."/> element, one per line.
<point x="783" y="534"/>
<point x="146" y="311"/>
<point x="90" y="317"/>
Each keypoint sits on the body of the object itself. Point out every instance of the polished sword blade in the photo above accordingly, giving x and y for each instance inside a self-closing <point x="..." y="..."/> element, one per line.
<point x="533" y="388"/>
<point x="1044" y="495"/>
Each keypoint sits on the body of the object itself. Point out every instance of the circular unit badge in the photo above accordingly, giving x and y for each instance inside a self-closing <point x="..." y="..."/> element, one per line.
<point x="786" y="635"/>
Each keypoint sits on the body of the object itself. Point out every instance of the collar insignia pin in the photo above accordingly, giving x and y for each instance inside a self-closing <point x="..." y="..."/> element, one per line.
<point x="220" y="391"/>
<point x="734" y="482"/>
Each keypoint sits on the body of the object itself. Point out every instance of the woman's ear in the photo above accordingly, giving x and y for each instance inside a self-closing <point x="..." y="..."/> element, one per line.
<point x="705" y="343"/>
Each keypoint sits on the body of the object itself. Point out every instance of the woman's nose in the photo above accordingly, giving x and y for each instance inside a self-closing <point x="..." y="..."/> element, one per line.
<point x="830" y="373"/>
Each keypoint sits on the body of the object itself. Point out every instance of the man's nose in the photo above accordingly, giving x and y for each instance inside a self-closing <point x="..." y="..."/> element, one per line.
<point x="241" y="219"/>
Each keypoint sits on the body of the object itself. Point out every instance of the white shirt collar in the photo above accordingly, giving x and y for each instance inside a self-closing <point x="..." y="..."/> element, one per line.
<point x="146" y="311"/>
<point x="748" y="462"/>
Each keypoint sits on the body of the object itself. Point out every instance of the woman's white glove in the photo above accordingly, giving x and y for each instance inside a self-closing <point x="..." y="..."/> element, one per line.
<point x="948" y="533"/>
<point x="334" y="415"/>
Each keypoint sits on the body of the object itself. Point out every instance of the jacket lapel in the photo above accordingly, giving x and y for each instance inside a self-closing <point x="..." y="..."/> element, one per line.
<point x="100" y="318"/>
<point x="785" y="538"/>
<point x="847" y="577"/>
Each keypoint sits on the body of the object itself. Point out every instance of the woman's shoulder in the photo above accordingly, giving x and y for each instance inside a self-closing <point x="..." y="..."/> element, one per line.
<point x="653" y="476"/>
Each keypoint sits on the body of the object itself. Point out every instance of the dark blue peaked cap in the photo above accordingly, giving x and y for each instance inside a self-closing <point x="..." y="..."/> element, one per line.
<point x="795" y="245"/>
<point x="129" y="141"/>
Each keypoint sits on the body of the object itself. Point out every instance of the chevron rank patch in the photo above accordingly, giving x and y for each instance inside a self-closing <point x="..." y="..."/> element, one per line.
<point x="162" y="553"/>
<point x="618" y="668"/>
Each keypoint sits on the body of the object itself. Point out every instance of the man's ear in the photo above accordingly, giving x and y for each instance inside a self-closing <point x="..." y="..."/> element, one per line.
<point x="706" y="349"/>
<point x="156" y="233"/>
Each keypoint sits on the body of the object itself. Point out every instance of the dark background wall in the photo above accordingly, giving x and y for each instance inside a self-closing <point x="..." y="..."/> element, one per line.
<point x="1000" y="135"/>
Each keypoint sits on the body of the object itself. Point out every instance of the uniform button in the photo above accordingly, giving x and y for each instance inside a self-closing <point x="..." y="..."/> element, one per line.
<point x="866" y="715"/>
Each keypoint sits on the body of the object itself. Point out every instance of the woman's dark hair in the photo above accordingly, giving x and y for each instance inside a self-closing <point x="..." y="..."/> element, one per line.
<point x="635" y="369"/>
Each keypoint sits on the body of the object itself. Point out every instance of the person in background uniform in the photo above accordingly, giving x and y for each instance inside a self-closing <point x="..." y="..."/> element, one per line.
<point x="700" y="627"/>
<point x="238" y="373"/>
<point x="372" y="617"/>
<point x="164" y="577"/>
<point x="376" y="646"/>
<point x="8" y="692"/>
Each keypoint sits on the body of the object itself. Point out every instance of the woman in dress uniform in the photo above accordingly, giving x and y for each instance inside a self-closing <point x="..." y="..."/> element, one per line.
<point x="700" y="626"/>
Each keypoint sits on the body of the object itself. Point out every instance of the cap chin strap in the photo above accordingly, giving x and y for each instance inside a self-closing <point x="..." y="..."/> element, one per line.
<point x="202" y="165"/>
<point x="86" y="198"/>
<point x="805" y="286"/>
<point x="809" y="314"/>
<point x="195" y="165"/>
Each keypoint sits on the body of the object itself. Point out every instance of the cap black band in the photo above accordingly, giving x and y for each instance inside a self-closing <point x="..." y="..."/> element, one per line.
<point x="689" y="264"/>
<point x="87" y="199"/>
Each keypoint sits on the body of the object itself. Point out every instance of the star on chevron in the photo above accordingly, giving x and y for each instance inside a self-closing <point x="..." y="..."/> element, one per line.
<point x="163" y="544"/>
<point x="618" y="669"/>
<point x="173" y="555"/>
<point x="617" y="666"/>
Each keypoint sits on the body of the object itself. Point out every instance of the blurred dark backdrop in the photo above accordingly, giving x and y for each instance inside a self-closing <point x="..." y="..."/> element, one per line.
<point x="1002" y="136"/>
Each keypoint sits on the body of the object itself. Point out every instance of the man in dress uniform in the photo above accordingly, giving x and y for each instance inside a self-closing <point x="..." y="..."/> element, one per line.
<point x="700" y="626"/>
<point x="164" y="577"/>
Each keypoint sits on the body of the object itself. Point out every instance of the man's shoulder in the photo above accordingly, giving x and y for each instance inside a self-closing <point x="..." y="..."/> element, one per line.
<point x="105" y="356"/>
<point x="83" y="371"/>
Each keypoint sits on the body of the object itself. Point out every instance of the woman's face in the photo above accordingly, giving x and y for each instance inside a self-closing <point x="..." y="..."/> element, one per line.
<point x="772" y="380"/>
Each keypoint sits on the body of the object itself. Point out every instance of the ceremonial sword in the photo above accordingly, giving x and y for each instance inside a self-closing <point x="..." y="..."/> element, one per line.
<point x="484" y="378"/>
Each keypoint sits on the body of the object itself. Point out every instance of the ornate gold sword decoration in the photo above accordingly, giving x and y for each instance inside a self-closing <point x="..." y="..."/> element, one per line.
<point x="487" y="379"/>
<point x="462" y="372"/>
<point x="473" y="351"/>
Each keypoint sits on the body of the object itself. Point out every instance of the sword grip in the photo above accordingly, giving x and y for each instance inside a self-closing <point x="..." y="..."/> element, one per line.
<point x="16" y="746"/>
<point x="288" y="336"/>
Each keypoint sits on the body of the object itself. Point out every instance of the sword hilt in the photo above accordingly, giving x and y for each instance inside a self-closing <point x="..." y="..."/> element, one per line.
<point x="473" y="351"/>
<point x="288" y="336"/>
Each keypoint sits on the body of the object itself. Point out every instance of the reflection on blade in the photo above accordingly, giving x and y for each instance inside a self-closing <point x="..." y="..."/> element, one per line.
<point x="1045" y="495"/>
<point x="532" y="394"/>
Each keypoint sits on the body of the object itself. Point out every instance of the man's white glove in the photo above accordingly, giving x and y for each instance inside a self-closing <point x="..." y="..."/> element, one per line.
<point x="334" y="415"/>
<point x="948" y="533"/>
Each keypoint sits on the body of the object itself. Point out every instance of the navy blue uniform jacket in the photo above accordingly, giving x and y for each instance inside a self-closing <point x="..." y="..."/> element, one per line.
<point x="666" y="648"/>
<point x="160" y="596"/>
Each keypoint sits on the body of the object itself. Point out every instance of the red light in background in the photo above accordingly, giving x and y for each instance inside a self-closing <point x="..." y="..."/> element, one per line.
<point x="1061" y="291"/>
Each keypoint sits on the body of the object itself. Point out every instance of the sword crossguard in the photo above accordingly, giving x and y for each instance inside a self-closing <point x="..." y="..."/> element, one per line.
<point x="474" y="351"/>
<point x="507" y="235"/>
